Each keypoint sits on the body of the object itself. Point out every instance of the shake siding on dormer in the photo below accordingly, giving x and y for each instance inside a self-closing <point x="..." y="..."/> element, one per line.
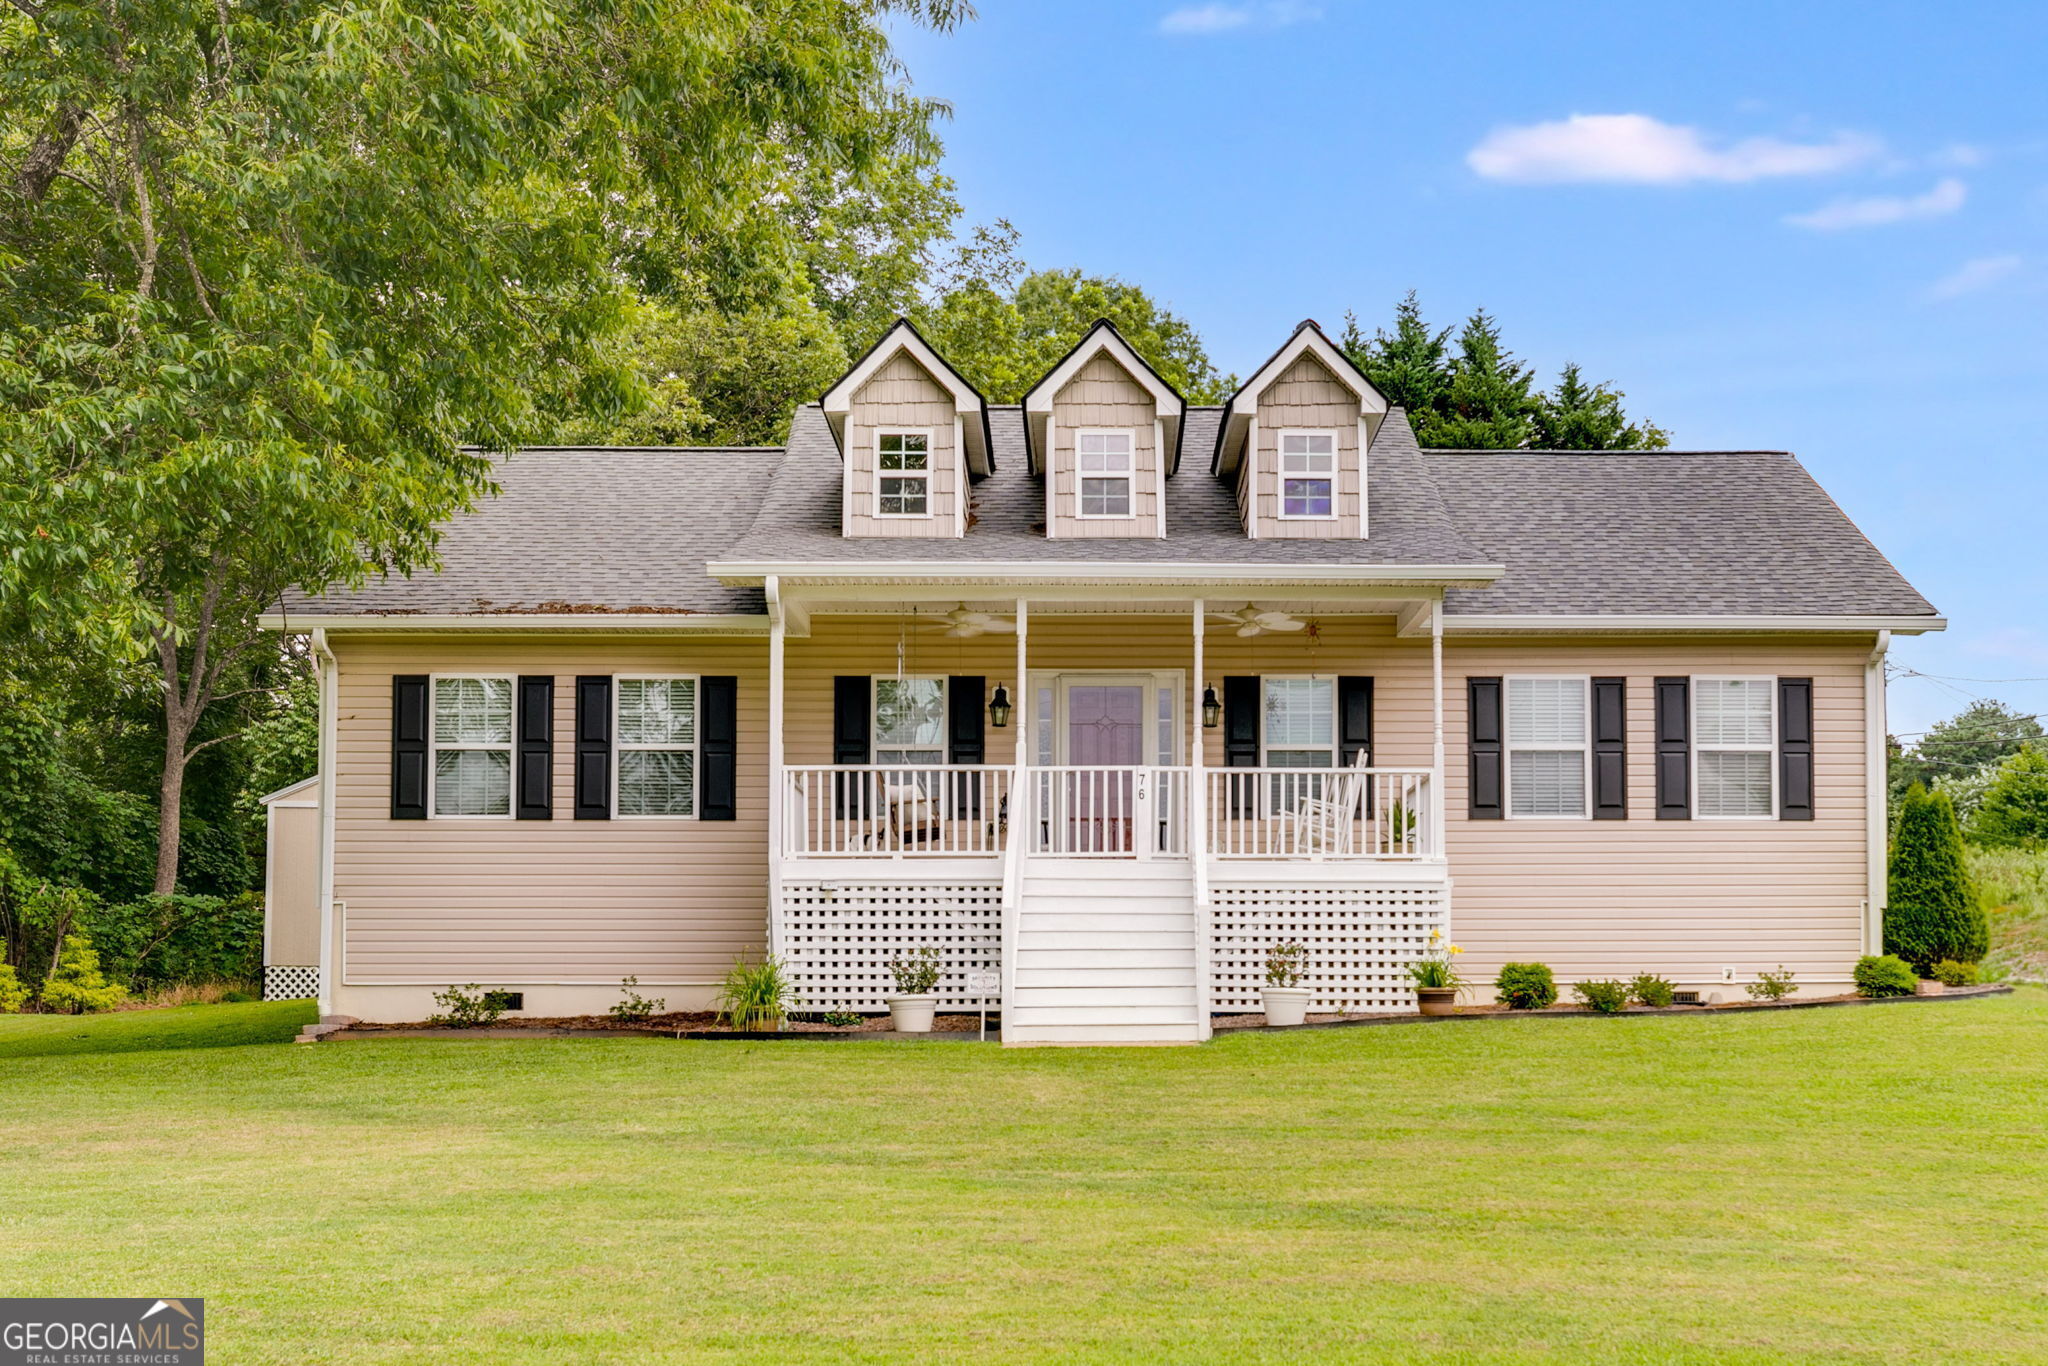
<point x="901" y="396"/>
<point x="1103" y="396"/>
<point x="1306" y="396"/>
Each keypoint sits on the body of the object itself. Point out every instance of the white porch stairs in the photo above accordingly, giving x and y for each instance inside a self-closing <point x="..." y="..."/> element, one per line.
<point x="1105" y="953"/>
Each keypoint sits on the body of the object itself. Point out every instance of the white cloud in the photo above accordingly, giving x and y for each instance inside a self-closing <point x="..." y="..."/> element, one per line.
<point x="1635" y="149"/>
<point x="1945" y="198"/>
<point x="1222" y="18"/>
<point x="1972" y="276"/>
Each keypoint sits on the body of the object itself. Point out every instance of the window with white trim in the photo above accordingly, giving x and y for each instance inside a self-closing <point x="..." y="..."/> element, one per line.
<point x="1735" y="747"/>
<point x="1547" y="746"/>
<point x="910" y="720"/>
<point x="472" y="746"/>
<point x="1300" y="723"/>
<point x="1308" y="474"/>
<point x="1104" y="460"/>
<point x="903" y="474"/>
<point x="656" y="740"/>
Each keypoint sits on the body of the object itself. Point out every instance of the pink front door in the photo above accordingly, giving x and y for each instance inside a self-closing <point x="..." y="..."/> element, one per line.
<point x="1105" y="727"/>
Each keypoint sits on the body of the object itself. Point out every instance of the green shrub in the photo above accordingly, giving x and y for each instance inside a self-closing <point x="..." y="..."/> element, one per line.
<point x="1772" y="986"/>
<point x="754" y="996"/>
<point x="1647" y="988"/>
<point x="166" y="940"/>
<point x="842" y="1019"/>
<point x="1606" y="998"/>
<point x="78" y="985"/>
<point x="467" y="1007"/>
<point x="634" y="1008"/>
<point x="1933" y="912"/>
<point x="1525" y="986"/>
<point x="13" y="995"/>
<point x="2013" y="811"/>
<point x="1950" y="973"/>
<point x="1886" y="976"/>
<point x="917" y="972"/>
<point x="237" y="998"/>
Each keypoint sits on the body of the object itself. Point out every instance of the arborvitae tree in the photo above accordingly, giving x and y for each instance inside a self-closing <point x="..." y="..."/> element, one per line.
<point x="1577" y="416"/>
<point x="1933" y="912"/>
<point x="2013" y="812"/>
<point x="1411" y="365"/>
<point x="1488" y="405"/>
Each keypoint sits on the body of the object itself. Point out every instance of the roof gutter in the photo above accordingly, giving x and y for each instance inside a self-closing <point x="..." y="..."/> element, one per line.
<point x="1521" y="623"/>
<point x="705" y="623"/>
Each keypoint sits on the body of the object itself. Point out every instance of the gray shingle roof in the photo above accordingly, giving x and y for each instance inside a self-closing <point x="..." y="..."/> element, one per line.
<point x="633" y="529"/>
<point x="1695" y="532"/>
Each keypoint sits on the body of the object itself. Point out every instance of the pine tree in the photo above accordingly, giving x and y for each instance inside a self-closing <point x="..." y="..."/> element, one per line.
<point x="77" y="985"/>
<point x="1933" y="912"/>
<point x="1410" y="366"/>
<point x="1488" y="405"/>
<point x="1577" y="416"/>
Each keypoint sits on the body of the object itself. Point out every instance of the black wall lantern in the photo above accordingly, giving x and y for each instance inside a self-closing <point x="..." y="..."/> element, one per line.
<point x="1212" y="710"/>
<point x="999" y="708"/>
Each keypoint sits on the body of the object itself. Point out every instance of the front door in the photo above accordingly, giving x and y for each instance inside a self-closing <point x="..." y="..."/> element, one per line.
<point x="1105" y="741"/>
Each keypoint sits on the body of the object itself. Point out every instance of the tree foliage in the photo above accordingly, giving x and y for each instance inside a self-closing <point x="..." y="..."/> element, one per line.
<point x="2013" y="811"/>
<point x="1932" y="911"/>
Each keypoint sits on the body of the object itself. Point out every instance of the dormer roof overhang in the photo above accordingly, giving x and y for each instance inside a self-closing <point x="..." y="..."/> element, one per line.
<point x="1102" y="337"/>
<point x="837" y="401"/>
<point x="1307" y="340"/>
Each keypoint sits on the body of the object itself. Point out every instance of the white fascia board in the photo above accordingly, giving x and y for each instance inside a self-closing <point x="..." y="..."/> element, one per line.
<point x="839" y="398"/>
<point x="277" y="798"/>
<point x="1308" y="340"/>
<point x="701" y="623"/>
<point x="1029" y="572"/>
<point x="1519" y="624"/>
<point x="1039" y="400"/>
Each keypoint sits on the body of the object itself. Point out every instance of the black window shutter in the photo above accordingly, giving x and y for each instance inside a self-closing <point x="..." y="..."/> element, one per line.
<point x="409" y="747"/>
<point x="850" y="725"/>
<point x="1795" y="749"/>
<point x="1610" y="749"/>
<point x="1354" y="719"/>
<point x="536" y="748"/>
<point x="1241" y="735"/>
<point x="718" y="742"/>
<point x="1674" y="749"/>
<point x="594" y="747"/>
<point x="1483" y="750"/>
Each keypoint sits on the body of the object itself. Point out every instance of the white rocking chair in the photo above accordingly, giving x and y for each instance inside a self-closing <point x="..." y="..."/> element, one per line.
<point x="1323" y="824"/>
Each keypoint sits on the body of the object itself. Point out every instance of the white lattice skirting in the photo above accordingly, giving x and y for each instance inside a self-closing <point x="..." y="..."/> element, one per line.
<point x="290" y="983"/>
<point x="837" y="939"/>
<point x="1360" y="941"/>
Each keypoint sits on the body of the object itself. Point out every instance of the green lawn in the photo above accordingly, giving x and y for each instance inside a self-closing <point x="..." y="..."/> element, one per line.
<point x="1866" y="1185"/>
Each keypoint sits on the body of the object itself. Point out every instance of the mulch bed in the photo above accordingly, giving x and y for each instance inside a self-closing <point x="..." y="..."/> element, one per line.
<point x="673" y="1025"/>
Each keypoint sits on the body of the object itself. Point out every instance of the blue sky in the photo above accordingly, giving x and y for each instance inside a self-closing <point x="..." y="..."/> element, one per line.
<point x="1819" y="227"/>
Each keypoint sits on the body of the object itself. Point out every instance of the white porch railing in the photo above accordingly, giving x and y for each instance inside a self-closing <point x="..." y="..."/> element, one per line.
<point x="896" y="810"/>
<point x="1320" y="813"/>
<point x="1108" y="812"/>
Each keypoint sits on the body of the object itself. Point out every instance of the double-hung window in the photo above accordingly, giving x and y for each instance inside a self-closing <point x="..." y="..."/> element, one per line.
<point x="1308" y="474"/>
<point x="472" y="746"/>
<point x="910" y="720"/>
<point x="657" y="746"/>
<point x="1735" y="726"/>
<point x="1299" y="730"/>
<point x="1547" y="730"/>
<point x="903" y="461"/>
<point x="1105" y="472"/>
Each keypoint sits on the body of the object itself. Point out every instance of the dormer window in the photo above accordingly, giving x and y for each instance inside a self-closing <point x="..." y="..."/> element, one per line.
<point x="1105" y="468"/>
<point x="1308" y="475"/>
<point x="903" y="460"/>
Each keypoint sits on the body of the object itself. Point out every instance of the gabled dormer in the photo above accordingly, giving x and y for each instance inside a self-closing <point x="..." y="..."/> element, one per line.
<point x="1104" y="430"/>
<point x="911" y="434"/>
<point x="1296" y="442"/>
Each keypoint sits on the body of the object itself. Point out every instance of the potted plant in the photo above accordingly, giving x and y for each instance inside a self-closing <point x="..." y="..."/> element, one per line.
<point x="917" y="981"/>
<point x="1436" y="981"/>
<point x="1285" y="999"/>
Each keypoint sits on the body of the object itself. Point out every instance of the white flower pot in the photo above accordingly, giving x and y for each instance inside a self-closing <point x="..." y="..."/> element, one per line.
<point x="912" y="1014"/>
<point x="1285" y="1005"/>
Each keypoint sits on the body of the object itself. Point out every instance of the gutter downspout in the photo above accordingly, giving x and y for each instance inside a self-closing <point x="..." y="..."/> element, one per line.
<point x="329" y="674"/>
<point x="1876" y="800"/>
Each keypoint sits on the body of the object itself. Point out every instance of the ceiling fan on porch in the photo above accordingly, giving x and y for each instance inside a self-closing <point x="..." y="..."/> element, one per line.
<point x="1250" y="621"/>
<point x="962" y="624"/>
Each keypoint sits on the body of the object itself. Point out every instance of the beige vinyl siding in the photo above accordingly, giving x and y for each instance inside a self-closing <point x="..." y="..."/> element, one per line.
<point x="291" y="903"/>
<point x="1306" y="396"/>
<point x="510" y="903"/>
<point x="902" y="396"/>
<point x="1102" y="395"/>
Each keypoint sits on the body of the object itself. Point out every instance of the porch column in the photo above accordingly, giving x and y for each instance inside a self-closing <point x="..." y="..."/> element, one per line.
<point x="1198" y="793"/>
<point x="777" y="798"/>
<point x="1027" y="701"/>
<point x="1436" y="755"/>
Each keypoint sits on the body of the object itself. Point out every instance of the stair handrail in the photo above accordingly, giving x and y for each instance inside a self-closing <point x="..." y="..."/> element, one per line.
<point x="1023" y="820"/>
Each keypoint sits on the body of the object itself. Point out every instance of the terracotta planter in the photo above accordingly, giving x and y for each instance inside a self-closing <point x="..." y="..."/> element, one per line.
<point x="1436" y="1000"/>
<point x="1285" y="1005"/>
<point x="912" y="1014"/>
<point x="1927" y="986"/>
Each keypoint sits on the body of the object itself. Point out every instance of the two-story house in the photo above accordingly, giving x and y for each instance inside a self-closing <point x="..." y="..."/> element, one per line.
<point x="1105" y="694"/>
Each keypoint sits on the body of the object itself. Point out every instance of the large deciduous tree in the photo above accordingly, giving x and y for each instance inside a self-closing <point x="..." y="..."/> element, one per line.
<point x="268" y="273"/>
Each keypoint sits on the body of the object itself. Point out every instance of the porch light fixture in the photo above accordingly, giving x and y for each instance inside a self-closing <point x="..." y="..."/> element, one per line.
<point x="1212" y="709"/>
<point x="999" y="708"/>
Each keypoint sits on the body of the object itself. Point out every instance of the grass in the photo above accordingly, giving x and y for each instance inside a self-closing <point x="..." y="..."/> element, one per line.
<point x="1859" y="1185"/>
<point x="148" y="1031"/>
<point x="2014" y="885"/>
